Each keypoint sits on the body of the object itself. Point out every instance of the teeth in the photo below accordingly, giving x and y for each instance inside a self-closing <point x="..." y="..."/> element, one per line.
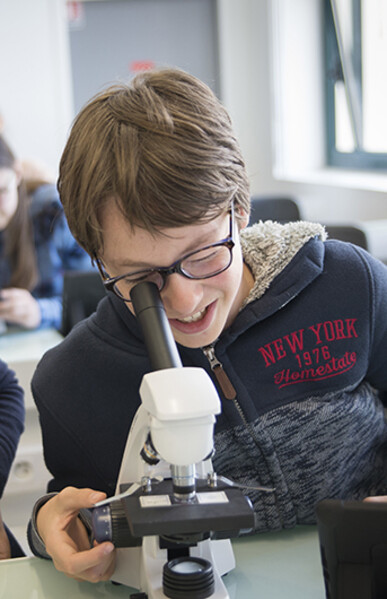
<point x="195" y="317"/>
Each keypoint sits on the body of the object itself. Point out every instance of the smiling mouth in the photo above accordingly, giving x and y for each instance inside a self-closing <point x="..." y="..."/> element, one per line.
<point x="194" y="318"/>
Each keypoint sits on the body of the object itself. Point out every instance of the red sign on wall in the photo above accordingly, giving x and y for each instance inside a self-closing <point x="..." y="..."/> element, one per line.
<point x="141" y="65"/>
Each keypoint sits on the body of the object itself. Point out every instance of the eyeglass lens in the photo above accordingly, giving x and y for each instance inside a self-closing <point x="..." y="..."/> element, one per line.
<point x="199" y="265"/>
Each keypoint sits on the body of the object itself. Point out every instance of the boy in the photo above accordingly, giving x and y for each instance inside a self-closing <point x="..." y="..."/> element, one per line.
<point x="154" y="187"/>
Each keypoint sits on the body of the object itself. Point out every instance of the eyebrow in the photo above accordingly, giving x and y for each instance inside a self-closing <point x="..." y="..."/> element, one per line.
<point x="128" y="264"/>
<point x="138" y="265"/>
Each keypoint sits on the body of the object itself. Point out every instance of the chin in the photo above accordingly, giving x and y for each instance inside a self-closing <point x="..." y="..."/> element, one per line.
<point x="197" y="341"/>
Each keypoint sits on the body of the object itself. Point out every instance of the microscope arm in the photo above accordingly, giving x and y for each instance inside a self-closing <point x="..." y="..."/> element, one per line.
<point x="171" y="440"/>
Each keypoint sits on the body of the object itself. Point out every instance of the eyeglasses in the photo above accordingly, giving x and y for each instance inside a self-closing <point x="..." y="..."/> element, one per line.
<point x="204" y="263"/>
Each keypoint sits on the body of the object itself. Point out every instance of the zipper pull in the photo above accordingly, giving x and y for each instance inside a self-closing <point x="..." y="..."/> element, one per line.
<point x="225" y="384"/>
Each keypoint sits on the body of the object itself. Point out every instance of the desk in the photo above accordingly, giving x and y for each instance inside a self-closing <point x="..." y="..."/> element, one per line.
<point x="283" y="565"/>
<point x="278" y="565"/>
<point x="18" y="346"/>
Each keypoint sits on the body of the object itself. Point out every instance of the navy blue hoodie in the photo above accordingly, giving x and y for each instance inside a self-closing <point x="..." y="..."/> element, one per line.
<point x="306" y="362"/>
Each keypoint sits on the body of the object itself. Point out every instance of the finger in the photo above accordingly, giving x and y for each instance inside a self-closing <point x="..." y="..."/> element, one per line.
<point x="379" y="499"/>
<point x="9" y="308"/>
<point x="105" y="569"/>
<point x="97" y="574"/>
<point x="61" y="511"/>
<point x="8" y="294"/>
<point x="5" y="304"/>
<point x="91" y="564"/>
<point x="71" y="500"/>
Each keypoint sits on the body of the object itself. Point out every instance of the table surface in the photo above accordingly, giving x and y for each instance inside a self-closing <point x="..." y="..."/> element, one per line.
<point x="19" y="345"/>
<point x="281" y="565"/>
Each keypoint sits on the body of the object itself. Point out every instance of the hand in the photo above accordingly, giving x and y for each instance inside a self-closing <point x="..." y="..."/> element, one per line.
<point x="378" y="499"/>
<point x="66" y="539"/>
<point x="5" y="548"/>
<point x="17" y="306"/>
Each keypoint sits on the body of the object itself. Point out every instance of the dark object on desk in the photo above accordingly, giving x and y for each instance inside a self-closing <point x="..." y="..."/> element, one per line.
<point x="353" y="543"/>
<point x="280" y="209"/>
<point x="82" y="290"/>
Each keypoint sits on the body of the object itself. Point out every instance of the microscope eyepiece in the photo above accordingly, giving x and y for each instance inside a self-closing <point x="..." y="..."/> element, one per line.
<point x="150" y="312"/>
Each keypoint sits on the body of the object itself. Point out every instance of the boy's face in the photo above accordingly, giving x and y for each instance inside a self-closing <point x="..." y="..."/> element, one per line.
<point x="8" y="195"/>
<point x="198" y="310"/>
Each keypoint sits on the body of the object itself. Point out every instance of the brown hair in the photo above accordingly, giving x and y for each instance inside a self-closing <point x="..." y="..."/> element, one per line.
<point x="19" y="247"/>
<point x="162" y="146"/>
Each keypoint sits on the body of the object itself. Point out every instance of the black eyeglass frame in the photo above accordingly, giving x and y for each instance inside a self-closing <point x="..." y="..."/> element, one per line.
<point x="110" y="282"/>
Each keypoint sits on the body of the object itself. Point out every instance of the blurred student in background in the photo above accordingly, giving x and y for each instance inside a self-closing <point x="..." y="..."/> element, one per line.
<point x="11" y="427"/>
<point x="36" y="245"/>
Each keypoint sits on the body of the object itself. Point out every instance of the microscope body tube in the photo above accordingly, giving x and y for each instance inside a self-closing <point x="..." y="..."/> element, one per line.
<point x="163" y="353"/>
<point x="150" y="312"/>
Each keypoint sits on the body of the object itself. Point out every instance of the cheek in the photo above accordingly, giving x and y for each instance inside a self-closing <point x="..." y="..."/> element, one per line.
<point x="13" y="203"/>
<point x="229" y="281"/>
<point x="235" y="272"/>
<point x="8" y="204"/>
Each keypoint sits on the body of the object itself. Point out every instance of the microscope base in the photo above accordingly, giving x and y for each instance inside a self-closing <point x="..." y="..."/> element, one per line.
<point x="142" y="567"/>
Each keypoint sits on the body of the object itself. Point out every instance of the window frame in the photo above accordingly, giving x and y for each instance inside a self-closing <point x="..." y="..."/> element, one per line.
<point x="358" y="159"/>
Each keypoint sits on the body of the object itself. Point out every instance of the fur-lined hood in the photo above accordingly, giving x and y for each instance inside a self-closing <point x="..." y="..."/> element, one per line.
<point x="268" y="247"/>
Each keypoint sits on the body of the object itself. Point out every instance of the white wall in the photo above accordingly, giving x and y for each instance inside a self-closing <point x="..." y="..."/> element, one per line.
<point x="35" y="78"/>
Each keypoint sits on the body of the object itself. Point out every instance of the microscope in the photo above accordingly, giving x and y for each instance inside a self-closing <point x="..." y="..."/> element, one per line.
<point x="172" y="517"/>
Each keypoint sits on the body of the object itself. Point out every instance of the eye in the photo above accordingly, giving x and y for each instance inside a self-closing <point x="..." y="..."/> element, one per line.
<point x="152" y="276"/>
<point x="203" y="256"/>
<point x="207" y="261"/>
<point x="137" y="277"/>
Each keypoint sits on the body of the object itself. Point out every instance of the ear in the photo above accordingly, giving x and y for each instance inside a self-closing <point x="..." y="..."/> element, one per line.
<point x="242" y="217"/>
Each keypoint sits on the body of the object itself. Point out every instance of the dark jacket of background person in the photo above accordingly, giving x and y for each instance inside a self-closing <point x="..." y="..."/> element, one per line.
<point x="56" y="251"/>
<point x="11" y="427"/>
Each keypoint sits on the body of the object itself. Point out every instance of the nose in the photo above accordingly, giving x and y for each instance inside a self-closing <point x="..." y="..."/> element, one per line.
<point x="181" y="296"/>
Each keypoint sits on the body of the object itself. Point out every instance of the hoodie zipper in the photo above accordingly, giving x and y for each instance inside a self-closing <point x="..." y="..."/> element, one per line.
<point x="226" y="385"/>
<point x="230" y="393"/>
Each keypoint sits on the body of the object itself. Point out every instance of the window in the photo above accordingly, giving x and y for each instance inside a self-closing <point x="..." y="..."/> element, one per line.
<point x="356" y="83"/>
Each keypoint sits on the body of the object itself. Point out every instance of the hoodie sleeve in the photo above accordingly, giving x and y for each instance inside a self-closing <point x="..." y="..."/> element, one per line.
<point x="377" y="363"/>
<point x="11" y="420"/>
